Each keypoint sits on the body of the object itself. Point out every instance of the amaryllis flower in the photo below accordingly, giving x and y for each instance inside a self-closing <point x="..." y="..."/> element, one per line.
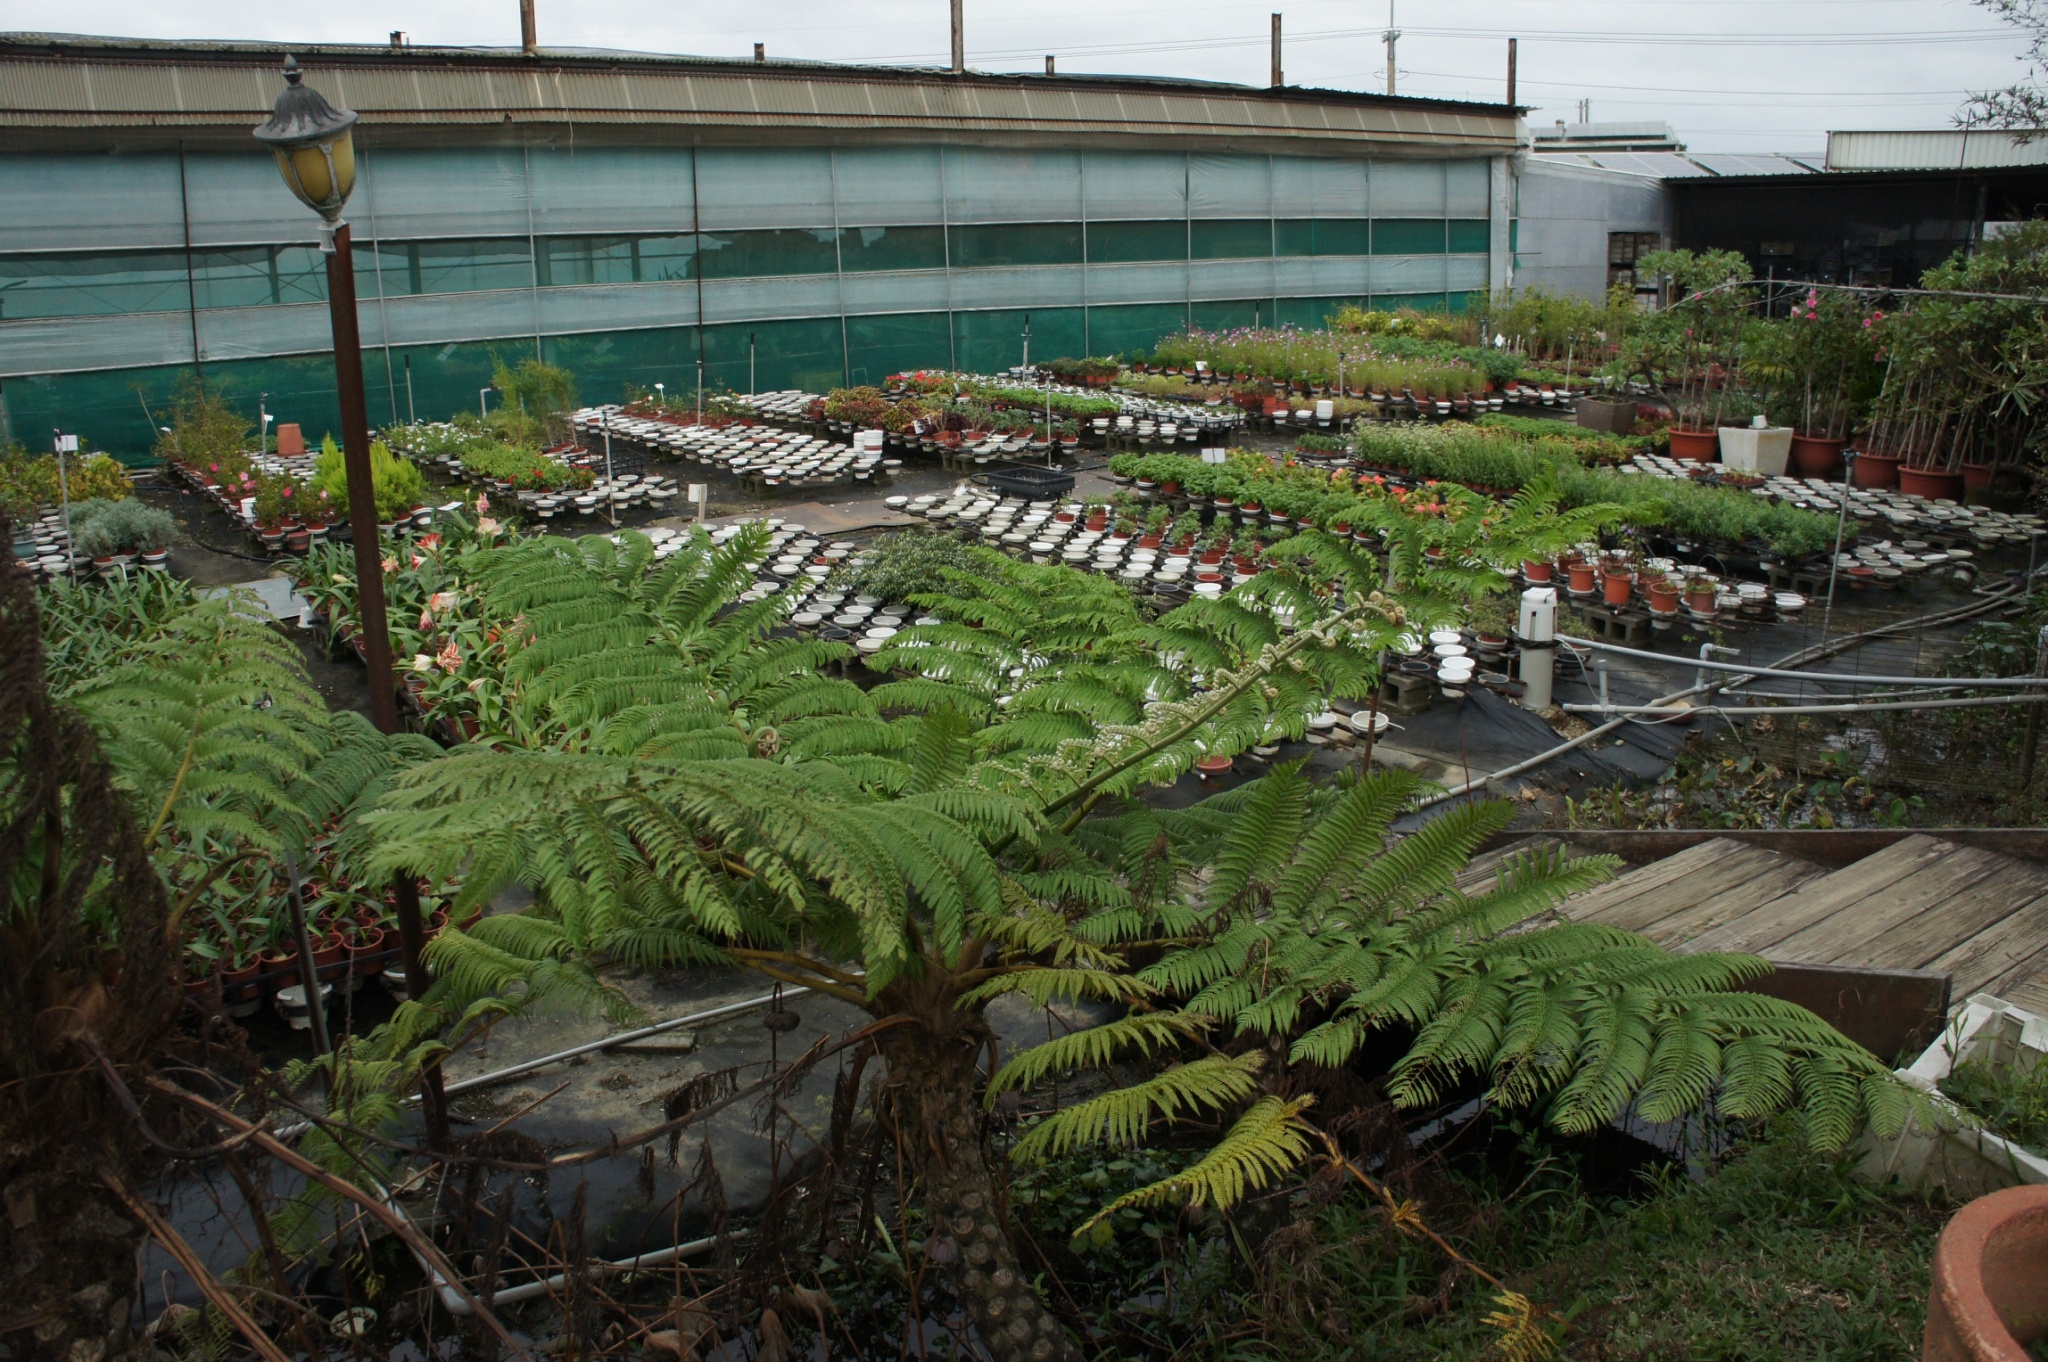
<point x="391" y="565"/>
<point x="426" y="620"/>
<point x="449" y="659"/>
<point x="486" y="525"/>
<point x="483" y="504"/>
<point x="430" y="541"/>
<point x="422" y="663"/>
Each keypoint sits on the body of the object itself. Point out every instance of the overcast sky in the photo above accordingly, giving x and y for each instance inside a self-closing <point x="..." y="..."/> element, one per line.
<point x="1728" y="75"/>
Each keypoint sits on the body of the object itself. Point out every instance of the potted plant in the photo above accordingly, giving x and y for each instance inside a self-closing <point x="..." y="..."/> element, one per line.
<point x="1820" y="365"/>
<point x="1696" y="338"/>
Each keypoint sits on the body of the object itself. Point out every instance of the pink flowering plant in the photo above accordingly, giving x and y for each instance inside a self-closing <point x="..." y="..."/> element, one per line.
<point x="1817" y="368"/>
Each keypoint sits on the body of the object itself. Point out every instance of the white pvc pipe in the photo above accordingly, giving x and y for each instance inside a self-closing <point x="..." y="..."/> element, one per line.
<point x="1849" y="708"/>
<point x="1852" y="678"/>
<point x="610" y="1042"/>
<point x="455" y="1303"/>
<point x="606" y="1043"/>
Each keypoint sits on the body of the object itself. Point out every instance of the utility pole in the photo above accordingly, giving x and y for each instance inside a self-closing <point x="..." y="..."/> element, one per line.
<point x="959" y="37"/>
<point x="1279" y="76"/>
<point x="1392" y="35"/>
<point x="1511" y="73"/>
<point x="529" y="35"/>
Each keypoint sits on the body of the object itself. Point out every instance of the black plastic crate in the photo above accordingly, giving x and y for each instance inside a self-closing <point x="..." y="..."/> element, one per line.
<point x="1030" y="481"/>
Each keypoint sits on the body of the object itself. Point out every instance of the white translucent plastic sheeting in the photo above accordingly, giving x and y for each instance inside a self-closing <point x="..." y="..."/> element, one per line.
<point x="82" y="203"/>
<point x="763" y="187"/>
<point x="888" y="186"/>
<point x="880" y="291"/>
<point x="1017" y="286"/>
<point x="1216" y="280"/>
<point x="1164" y="281"/>
<point x="611" y="189"/>
<point x="1466" y="189"/>
<point x="1305" y="187"/>
<point x="998" y="184"/>
<point x="1230" y="186"/>
<point x="1134" y="185"/>
<point x="1414" y="189"/>
<point x="741" y="300"/>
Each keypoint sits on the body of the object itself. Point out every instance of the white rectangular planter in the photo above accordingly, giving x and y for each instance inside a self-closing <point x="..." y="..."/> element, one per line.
<point x="1756" y="449"/>
<point x="1967" y="1162"/>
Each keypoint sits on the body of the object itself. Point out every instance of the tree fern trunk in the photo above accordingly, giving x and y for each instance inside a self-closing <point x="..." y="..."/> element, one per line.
<point x="933" y="1079"/>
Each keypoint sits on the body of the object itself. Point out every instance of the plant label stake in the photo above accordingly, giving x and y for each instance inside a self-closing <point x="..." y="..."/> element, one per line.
<point x="67" y="444"/>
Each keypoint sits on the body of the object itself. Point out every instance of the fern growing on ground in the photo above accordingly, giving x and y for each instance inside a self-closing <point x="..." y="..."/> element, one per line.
<point x="677" y="785"/>
<point x="1296" y="927"/>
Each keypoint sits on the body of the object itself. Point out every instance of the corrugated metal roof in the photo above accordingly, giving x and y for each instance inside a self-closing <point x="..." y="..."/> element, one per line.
<point x="62" y="82"/>
<point x="1944" y="149"/>
<point x="1723" y="163"/>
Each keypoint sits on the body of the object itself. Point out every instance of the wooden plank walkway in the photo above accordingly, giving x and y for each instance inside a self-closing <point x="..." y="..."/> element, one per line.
<point x="1922" y="903"/>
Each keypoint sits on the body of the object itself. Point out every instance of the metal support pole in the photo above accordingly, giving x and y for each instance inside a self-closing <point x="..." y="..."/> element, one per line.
<point x="753" y="385"/>
<point x="1511" y="73"/>
<point x="2034" y="713"/>
<point x="612" y="505"/>
<point x="529" y="30"/>
<point x="1827" y="617"/>
<point x="362" y="519"/>
<point x="1279" y="76"/>
<point x="959" y="37"/>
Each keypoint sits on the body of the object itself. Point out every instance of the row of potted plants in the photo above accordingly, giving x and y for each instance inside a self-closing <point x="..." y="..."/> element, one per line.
<point x="1497" y="461"/>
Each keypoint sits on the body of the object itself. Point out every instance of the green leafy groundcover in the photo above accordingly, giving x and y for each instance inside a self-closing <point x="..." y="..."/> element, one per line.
<point x="1497" y="459"/>
<point x="1779" y="1254"/>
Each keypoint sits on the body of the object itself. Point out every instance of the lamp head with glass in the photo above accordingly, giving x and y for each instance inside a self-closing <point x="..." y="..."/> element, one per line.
<point x="315" y="148"/>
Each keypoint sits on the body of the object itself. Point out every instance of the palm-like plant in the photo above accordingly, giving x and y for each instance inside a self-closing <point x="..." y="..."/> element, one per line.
<point x="925" y="848"/>
<point x="1297" y="930"/>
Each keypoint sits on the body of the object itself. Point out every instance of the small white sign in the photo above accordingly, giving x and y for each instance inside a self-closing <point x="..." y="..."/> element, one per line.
<point x="67" y="444"/>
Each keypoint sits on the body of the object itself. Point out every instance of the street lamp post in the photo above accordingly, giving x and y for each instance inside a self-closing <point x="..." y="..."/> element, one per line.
<point x="315" y="149"/>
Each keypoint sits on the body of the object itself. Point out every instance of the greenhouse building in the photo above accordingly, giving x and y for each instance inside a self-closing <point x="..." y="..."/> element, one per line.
<point x="650" y="220"/>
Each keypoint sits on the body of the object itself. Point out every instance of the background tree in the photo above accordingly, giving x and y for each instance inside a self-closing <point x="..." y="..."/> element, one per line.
<point x="2022" y="107"/>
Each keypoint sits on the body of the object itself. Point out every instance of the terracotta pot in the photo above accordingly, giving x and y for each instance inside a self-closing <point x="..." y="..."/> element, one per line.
<point x="1878" y="470"/>
<point x="1700" y="446"/>
<point x="1862" y="575"/>
<point x="330" y="958"/>
<point x="1985" y="1304"/>
<point x="239" y="985"/>
<point x="1977" y="476"/>
<point x="1620" y="586"/>
<point x="1581" y="576"/>
<point x="1816" y="456"/>
<point x="276" y="970"/>
<point x="363" y="953"/>
<point x="1535" y="571"/>
<point x="1663" y="597"/>
<point x="1212" y="768"/>
<point x="1931" y="483"/>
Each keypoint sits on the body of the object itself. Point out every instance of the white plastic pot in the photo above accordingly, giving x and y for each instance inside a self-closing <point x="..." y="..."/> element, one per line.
<point x="1968" y="1162"/>
<point x="1756" y="449"/>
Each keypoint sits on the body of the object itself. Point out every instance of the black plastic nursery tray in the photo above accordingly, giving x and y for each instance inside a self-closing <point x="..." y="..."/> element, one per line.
<point x="1025" y="480"/>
